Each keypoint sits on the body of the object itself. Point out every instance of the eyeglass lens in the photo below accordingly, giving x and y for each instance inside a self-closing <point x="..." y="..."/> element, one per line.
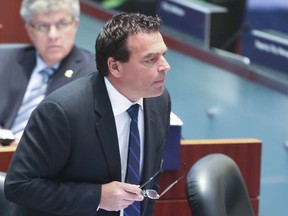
<point x="45" y="27"/>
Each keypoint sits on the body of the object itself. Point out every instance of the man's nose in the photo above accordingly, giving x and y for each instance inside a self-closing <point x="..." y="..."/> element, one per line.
<point x="164" y="66"/>
<point x="53" y="32"/>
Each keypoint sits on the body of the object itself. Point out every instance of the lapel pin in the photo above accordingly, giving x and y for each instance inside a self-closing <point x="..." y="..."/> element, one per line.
<point x="68" y="73"/>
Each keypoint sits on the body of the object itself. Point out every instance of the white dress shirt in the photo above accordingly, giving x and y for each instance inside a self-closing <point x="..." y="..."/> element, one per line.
<point x="34" y="80"/>
<point x="122" y="119"/>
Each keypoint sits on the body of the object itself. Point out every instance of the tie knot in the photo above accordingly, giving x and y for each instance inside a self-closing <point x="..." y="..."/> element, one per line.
<point x="133" y="111"/>
<point x="46" y="74"/>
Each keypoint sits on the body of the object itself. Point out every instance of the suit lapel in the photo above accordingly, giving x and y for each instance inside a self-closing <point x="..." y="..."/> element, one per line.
<point x="150" y="125"/>
<point x="22" y="74"/>
<point x="106" y="129"/>
<point x="64" y="74"/>
<point x="27" y="61"/>
<point x="150" y="145"/>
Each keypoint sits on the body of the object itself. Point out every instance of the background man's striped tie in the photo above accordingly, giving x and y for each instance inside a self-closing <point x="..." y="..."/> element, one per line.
<point x="30" y="102"/>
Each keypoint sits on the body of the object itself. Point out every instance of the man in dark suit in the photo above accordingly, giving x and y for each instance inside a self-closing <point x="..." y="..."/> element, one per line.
<point x="52" y="26"/>
<point x="73" y="156"/>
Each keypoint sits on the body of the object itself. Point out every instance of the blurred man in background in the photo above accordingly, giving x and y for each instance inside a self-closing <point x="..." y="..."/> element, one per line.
<point x="29" y="73"/>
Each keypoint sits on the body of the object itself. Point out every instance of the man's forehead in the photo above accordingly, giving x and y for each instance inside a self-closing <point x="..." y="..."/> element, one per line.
<point x="53" y="15"/>
<point x="146" y="41"/>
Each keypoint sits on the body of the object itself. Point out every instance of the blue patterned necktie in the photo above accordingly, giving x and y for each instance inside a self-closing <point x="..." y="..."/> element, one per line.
<point x="133" y="162"/>
<point x="29" y="103"/>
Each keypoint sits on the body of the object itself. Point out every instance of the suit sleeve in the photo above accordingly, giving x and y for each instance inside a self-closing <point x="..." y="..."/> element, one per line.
<point x="34" y="177"/>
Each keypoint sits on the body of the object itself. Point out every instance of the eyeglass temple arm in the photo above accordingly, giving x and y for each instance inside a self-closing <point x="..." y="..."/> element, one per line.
<point x="143" y="185"/>
<point x="160" y="170"/>
<point x="175" y="182"/>
<point x="170" y="186"/>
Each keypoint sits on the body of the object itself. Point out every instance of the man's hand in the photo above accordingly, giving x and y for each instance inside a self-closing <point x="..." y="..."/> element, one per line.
<point x="116" y="196"/>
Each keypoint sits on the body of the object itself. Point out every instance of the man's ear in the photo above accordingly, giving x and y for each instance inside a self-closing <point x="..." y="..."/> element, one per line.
<point x="29" y="31"/>
<point x="113" y="66"/>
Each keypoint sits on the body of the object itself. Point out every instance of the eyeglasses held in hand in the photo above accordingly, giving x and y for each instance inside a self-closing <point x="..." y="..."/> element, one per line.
<point x="152" y="194"/>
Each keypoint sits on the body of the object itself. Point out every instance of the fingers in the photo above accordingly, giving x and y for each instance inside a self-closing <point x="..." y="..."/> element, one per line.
<point x="116" y="196"/>
<point x="134" y="193"/>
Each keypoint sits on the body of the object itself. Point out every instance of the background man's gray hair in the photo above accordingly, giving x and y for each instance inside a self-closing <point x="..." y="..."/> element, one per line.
<point x="31" y="7"/>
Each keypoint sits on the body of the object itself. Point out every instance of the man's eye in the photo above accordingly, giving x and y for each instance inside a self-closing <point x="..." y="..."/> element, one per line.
<point x="62" y="25"/>
<point x="150" y="60"/>
<point x="42" y="27"/>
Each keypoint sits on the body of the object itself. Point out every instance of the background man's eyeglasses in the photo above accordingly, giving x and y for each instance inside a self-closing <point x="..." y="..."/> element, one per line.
<point x="46" y="27"/>
<point x="152" y="194"/>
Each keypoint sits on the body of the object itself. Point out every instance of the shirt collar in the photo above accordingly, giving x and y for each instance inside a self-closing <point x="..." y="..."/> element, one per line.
<point x="40" y="64"/>
<point x="119" y="102"/>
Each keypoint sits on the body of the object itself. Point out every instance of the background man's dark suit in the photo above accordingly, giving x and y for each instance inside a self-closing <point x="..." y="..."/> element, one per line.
<point x="16" y="68"/>
<point x="75" y="150"/>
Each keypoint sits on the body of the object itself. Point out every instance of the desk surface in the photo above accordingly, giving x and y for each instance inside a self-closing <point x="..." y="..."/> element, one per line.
<point x="7" y="148"/>
<point x="184" y="43"/>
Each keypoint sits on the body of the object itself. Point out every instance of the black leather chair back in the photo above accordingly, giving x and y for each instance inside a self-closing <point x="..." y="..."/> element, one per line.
<point x="4" y="203"/>
<point x="215" y="187"/>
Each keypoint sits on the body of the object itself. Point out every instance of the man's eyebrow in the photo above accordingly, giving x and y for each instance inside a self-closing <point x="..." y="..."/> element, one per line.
<point x="149" y="55"/>
<point x="153" y="54"/>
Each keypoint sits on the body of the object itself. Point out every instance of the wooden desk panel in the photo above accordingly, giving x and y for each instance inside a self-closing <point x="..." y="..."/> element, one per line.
<point x="195" y="51"/>
<point x="245" y="152"/>
<point x="6" y="154"/>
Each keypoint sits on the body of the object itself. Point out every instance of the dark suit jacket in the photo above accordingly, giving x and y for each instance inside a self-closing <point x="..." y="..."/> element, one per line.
<point x="70" y="147"/>
<point x="16" y="66"/>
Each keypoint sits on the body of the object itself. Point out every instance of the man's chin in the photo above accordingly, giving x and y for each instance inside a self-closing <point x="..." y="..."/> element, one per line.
<point x="55" y="57"/>
<point x="157" y="93"/>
